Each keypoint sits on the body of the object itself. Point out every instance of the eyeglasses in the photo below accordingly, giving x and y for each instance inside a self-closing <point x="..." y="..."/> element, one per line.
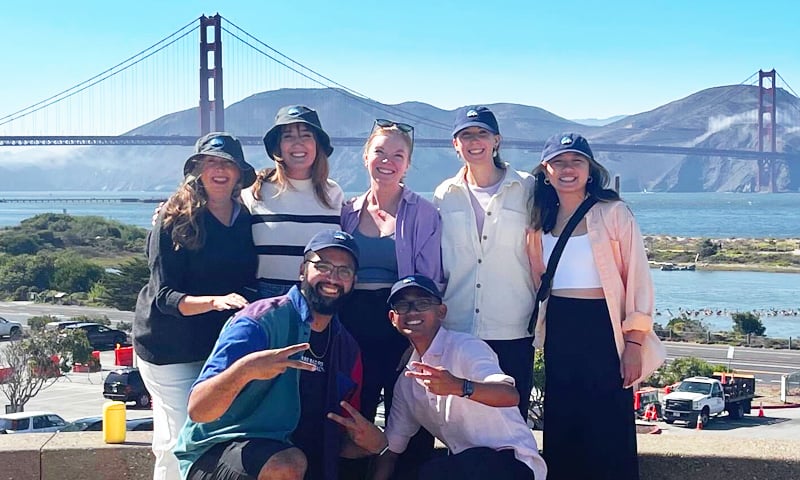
<point x="342" y="271"/>
<point x="422" y="305"/>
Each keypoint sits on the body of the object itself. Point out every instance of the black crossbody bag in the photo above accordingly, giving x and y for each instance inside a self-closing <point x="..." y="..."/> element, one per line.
<point x="547" y="276"/>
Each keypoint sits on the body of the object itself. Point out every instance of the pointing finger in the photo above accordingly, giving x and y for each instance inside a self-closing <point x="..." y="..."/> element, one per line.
<point x="351" y="410"/>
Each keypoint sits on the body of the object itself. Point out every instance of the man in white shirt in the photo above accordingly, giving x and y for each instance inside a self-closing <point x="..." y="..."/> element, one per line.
<point x="453" y="387"/>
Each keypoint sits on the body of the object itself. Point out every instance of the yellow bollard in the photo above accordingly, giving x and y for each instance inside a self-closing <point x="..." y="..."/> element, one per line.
<point x="114" y="422"/>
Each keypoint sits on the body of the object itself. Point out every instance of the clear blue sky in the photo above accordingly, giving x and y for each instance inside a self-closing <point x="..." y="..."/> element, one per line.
<point x="588" y="59"/>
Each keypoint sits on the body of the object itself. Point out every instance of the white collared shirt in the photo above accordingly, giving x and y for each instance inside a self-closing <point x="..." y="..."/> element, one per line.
<point x="460" y="423"/>
<point x="489" y="290"/>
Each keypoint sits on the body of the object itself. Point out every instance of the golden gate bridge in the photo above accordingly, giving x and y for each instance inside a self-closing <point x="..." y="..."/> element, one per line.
<point x="124" y="95"/>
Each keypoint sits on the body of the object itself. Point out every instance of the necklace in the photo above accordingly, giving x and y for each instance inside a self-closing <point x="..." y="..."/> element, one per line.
<point x="327" y="345"/>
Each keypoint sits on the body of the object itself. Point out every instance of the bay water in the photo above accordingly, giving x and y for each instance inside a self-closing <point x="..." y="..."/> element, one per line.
<point x="712" y="295"/>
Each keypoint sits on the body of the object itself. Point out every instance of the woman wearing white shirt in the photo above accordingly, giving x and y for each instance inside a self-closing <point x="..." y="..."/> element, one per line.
<point x="484" y="210"/>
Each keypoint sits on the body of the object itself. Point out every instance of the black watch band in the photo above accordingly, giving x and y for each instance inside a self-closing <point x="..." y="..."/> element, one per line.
<point x="467" y="389"/>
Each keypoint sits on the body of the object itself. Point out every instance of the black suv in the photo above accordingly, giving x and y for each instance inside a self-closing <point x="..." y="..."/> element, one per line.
<point x="126" y="385"/>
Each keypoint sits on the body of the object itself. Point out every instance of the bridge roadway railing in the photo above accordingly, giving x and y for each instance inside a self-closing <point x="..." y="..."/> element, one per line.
<point x="532" y="145"/>
<point x="83" y="455"/>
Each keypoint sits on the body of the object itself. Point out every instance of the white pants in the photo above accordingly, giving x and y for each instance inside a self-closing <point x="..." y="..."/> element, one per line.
<point x="169" y="388"/>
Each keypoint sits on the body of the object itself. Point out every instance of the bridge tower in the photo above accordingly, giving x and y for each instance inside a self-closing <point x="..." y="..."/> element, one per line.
<point x="766" y="131"/>
<point x="211" y="78"/>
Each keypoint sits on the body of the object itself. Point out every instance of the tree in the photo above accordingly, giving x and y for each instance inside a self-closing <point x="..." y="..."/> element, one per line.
<point x="38" y="322"/>
<point x="746" y="323"/>
<point x="122" y="289"/>
<point x="75" y="274"/>
<point x="536" y="407"/>
<point x="707" y="248"/>
<point x="681" y="368"/>
<point x="33" y="364"/>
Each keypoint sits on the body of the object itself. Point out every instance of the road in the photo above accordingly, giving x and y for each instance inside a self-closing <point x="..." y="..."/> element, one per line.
<point x="21" y="311"/>
<point x="766" y="364"/>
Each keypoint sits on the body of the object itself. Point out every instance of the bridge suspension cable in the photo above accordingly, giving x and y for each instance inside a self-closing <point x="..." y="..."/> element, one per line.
<point x="100" y="77"/>
<point x="327" y="82"/>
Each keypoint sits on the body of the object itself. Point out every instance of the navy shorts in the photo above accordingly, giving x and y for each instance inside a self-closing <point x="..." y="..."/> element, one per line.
<point x="236" y="460"/>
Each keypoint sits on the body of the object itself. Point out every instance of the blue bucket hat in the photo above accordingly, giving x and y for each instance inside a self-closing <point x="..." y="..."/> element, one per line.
<point x="296" y="114"/>
<point x="566" y="142"/>
<point x="475" y="116"/>
<point x="222" y="145"/>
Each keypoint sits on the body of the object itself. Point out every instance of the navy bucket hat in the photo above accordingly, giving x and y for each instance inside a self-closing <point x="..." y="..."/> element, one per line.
<point x="222" y="145"/>
<point x="475" y="116"/>
<point x="296" y="114"/>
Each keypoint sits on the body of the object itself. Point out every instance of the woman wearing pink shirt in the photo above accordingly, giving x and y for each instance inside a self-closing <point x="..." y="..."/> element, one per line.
<point x="595" y="319"/>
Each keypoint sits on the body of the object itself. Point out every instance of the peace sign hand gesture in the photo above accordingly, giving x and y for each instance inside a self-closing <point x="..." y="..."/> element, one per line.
<point x="267" y="364"/>
<point x="360" y="430"/>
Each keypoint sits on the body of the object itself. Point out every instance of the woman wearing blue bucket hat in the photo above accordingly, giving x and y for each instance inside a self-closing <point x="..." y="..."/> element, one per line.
<point x="293" y="200"/>
<point x="484" y="227"/>
<point x="202" y="264"/>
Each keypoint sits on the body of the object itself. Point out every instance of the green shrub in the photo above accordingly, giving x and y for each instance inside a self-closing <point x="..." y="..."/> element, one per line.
<point x="748" y="323"/>
<point x="37" y="323"/>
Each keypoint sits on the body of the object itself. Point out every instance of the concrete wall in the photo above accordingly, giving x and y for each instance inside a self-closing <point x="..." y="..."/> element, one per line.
<point x="662" y="457"/>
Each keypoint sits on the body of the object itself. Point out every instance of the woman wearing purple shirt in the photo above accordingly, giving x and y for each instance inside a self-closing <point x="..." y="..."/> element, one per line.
<point x="399" y="234"/>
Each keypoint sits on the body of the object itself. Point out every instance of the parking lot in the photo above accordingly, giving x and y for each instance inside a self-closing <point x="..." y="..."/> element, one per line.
<point x="77" y="395"/>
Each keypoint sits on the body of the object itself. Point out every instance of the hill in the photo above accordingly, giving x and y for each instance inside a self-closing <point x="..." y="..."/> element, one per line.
<point x="720" y="117"/>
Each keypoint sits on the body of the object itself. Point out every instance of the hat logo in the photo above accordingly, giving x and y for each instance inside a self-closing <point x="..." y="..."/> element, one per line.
<point x="217" y="142"/>
<point x="339" y="236"/>
<point x="472" y="114"/>
<point x="294" y="111"/>
<point x="566" y="140"/>
<point x="408" y="280"/>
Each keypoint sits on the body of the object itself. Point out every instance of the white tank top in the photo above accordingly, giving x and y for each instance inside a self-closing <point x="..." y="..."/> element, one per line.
<point x="576" y="267"/>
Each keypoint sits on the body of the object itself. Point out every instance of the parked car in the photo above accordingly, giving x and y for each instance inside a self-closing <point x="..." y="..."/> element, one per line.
<point x="12" y="330"/>
<point x="60" y="324"/>
<point x="126" y="385"/>
<point x="95" y="424"/>
<point x="31" y="422"/>
<point x="100" y="335"/>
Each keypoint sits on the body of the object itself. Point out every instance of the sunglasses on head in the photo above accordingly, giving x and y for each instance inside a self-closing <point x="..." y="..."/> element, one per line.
<point x="403" y="127"/>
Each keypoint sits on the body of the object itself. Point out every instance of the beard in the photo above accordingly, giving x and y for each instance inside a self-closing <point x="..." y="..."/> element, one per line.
<point x="320" y="303"/>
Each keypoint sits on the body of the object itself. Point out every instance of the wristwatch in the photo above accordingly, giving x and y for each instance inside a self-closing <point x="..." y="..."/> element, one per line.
<point x="467" y="389"/>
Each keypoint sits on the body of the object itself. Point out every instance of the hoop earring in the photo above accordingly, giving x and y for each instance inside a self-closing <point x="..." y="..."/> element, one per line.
<point x="546" y="181"/>
<point x="590" y="180"/>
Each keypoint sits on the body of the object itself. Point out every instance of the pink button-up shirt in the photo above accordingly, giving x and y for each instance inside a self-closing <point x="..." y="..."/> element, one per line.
<point x="619" y="253"/>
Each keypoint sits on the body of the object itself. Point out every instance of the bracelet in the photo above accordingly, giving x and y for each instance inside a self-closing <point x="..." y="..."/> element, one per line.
<point x="635" y="343"/>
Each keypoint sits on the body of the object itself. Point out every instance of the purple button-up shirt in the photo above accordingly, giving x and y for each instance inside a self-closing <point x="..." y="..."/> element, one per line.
<point x="418" y="234"/>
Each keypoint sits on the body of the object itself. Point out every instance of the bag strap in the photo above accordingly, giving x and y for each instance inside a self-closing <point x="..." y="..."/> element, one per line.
<point x="547" y="276"/>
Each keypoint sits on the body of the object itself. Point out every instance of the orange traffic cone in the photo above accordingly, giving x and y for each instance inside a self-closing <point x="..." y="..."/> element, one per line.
<point x="761" y="409"/>
<point x="647" y="413"/>
<point x="699" y="423"/>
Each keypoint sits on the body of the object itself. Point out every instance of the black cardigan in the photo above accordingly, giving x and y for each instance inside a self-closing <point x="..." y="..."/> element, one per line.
<point x="226" y="264"/>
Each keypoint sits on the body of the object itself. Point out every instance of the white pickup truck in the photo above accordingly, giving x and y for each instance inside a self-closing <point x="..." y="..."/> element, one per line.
<point x="13" y="330"/>
<point x="697" y="398"/>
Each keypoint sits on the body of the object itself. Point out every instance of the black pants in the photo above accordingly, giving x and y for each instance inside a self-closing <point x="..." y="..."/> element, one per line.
<point x="478" y="463"/>
<point x="516" y="360"/>
<point x="589" y="427"/>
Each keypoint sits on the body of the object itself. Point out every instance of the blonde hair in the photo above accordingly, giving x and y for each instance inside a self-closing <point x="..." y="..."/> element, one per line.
<point x="385" y="132"/>
<point x="278" y="176"/>
<point x="183" y="209"/>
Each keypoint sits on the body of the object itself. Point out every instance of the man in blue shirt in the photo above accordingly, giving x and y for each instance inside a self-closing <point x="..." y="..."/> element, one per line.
<point x="258" y="409"/>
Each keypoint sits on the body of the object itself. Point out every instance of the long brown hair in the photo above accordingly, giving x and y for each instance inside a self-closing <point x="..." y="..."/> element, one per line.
<point x="278" y="175"/>
<point x="184" y="208"/>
